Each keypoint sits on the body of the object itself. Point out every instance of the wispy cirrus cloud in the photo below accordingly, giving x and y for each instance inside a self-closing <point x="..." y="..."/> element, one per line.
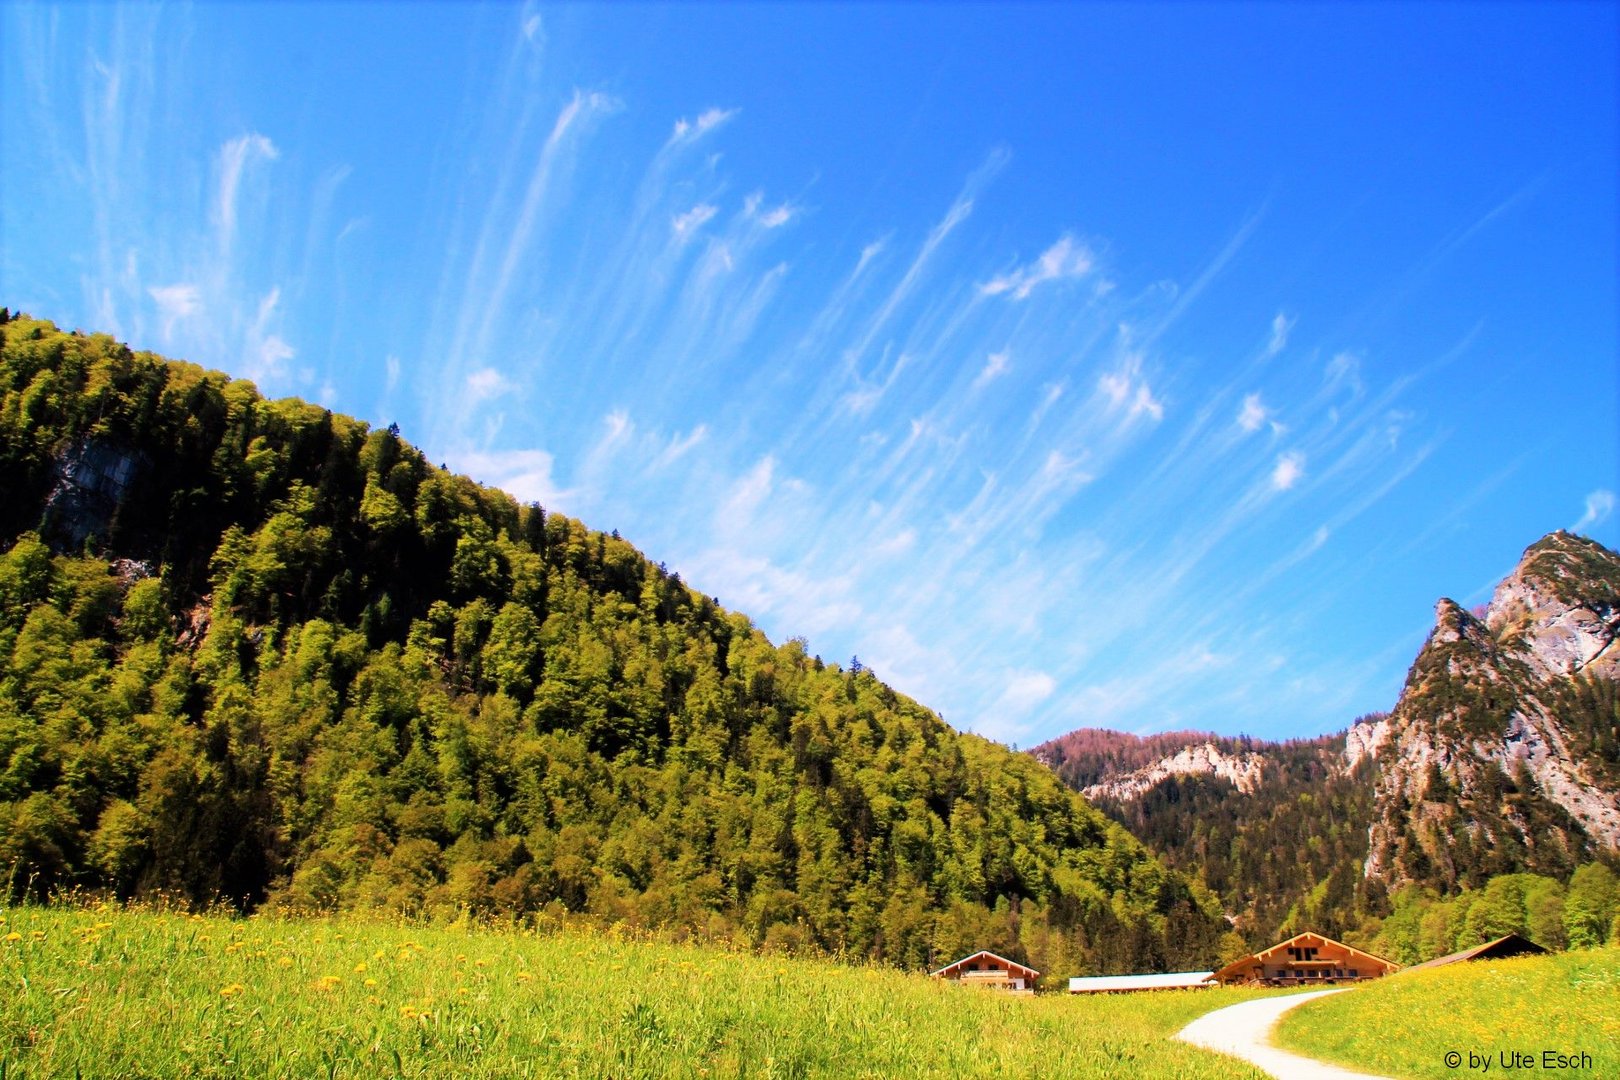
<point x="1252" y="416"/>
<point x="688" y="131"/>
<point x="1064" y="260"/>
<point x="1288" y="471"/>
<point x="998" y="479"/>
<point x="1599" y="505"/>
<point x="996" y="364"/>
<point x="1281" y="327"/>
<point x="237" y="157"/>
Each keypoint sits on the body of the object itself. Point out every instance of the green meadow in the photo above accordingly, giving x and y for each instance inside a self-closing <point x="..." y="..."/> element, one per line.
<point x="1406" y="1025"/>
<point x="115" y="992"/>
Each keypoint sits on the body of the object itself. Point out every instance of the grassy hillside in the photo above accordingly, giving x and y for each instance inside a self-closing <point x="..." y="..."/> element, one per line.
<point x="257" y="651"/>
<point x="114" y="992"/>
<point x="1405" y="1025"/>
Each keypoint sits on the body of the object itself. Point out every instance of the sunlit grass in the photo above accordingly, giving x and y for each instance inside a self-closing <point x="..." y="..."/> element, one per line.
<point x="109" y="992"/>
<point x="1405" y="1025"/>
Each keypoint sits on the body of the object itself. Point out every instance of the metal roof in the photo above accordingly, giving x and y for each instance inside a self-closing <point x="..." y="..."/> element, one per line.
<point x="1172" y="980"/>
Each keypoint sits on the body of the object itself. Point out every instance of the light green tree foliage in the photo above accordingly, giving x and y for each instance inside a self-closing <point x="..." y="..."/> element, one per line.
<point x="1590" y="906"/>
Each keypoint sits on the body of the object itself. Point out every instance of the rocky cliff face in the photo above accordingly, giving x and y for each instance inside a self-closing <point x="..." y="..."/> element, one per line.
<point x="1502" y="751"/>
<point x="1241" y="770"/>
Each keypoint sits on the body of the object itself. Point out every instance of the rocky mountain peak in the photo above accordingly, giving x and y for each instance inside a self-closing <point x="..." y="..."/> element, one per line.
<point x="1506" y="712"/>
<point x="1560" y="608"/>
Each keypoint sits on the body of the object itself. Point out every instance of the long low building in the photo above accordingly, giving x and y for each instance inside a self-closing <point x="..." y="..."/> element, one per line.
<point x="1125" y="984"/>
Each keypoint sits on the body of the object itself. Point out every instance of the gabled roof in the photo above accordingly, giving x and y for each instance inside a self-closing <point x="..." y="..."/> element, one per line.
<point x="1173" y="980"/>
<point x="1502" y="947"/>
<point x="1011" y="965"/>
<point x="1297" y="939"/>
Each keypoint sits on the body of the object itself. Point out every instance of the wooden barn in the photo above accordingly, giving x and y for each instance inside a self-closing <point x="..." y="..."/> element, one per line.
<point x="986" y="969"/>
<point x="1502" y="947"/>
<point x="1306" y="960"/>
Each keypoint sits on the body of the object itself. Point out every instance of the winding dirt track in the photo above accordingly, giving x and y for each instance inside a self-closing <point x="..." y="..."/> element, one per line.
<point x="1244" y="1031"/>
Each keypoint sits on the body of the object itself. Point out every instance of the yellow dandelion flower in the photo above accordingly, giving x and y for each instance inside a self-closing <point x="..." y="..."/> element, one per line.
<point x="14" y="936"/>
<point x="327" y="983"/>
<point x="371" y="982"/>
<point x="285" y="961"/>
<point x="461" y="958"/>
<point x="461" y="991"/>
<point x="524" y="976"/>
<point x="360" y="967"/>
<point x="408" y="1012"/>
<point x="232" y="990"/>
<point x="480" y="963"/>
<point x="379" y="954"/>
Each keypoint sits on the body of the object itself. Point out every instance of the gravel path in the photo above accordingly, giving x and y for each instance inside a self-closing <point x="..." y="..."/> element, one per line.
<point x="1245" y="1031"/>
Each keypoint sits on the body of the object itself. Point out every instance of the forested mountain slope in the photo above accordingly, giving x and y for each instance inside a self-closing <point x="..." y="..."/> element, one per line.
<point x="1277" y="829"/>
<point x="255" y="650"/>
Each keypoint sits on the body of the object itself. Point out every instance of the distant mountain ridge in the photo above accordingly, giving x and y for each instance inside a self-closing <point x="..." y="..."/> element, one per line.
<point x="1501" y="755"/>
<point x="1263" y="823"/>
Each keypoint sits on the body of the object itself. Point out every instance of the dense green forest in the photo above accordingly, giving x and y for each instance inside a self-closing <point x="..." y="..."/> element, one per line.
<point x="255" y="651"/>
<point x="1284" y="857"/>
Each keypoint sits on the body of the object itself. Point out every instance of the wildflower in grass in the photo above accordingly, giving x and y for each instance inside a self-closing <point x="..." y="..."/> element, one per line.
<point x="371" y="982"/>
<point x="360" y="967"/>
<point x="285" y="961"/>
<point x="14" y="936"/>
<point x="407" y="1012"/>
<point x="524" y="976"/>
<point x="328" y="983"/>
<point x="232" y="990"/>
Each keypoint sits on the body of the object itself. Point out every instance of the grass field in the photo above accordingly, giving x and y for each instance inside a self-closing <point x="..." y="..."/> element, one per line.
<point x="108" y="992"/>
<point x="1405" y="1025"/>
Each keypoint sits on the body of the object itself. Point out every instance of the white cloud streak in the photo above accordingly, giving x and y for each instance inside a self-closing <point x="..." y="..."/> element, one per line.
<point x="1599" y="505"/>
<point x="1067" y="259"/>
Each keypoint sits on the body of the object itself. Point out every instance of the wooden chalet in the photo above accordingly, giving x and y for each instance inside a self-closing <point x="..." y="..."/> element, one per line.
<point x="1502" y="947"/>
<point x="1306" y="960"/>
<point x="986" y="969"/>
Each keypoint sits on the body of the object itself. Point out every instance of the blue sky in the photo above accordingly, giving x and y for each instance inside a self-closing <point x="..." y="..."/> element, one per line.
<point x="1143" y="366"/>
